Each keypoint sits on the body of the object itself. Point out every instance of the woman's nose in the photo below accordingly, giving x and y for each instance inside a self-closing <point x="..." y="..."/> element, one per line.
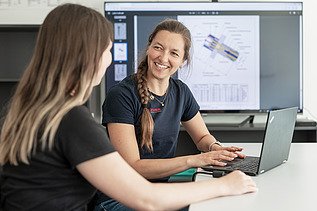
<point x="164" y="57"/>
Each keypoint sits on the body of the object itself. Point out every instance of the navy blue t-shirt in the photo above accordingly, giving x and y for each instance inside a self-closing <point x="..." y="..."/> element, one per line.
<point x="122" y="105"/>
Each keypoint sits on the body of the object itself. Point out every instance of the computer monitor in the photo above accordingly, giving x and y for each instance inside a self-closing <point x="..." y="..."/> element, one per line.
<point x="246" y="56"/>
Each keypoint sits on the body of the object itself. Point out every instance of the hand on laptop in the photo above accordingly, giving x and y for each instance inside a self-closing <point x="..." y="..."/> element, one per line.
<point x="218" y="158"/>
<point x="234" y="149"/>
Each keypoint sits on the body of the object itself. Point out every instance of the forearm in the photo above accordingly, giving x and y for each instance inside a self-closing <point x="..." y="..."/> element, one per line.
<point x="177" y="195"/>
<point x="143" y="195"/>
<point x="204" y="143"/>
<point x="159" y="168"/>
<point x="173" y="196"/>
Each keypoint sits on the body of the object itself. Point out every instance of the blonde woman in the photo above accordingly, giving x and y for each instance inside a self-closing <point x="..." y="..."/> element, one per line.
<point x="53" y="153"/>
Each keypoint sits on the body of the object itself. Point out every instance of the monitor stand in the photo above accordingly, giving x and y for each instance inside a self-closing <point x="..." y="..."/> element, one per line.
<point x="227" y="120"/>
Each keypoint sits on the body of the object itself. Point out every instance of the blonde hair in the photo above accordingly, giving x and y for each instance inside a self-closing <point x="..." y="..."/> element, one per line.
<point x="59" y="77"/>
<point x="147" y="123"/>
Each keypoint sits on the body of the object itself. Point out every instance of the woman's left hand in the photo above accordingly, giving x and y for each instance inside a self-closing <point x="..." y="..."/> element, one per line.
<point x="234" y="149"/>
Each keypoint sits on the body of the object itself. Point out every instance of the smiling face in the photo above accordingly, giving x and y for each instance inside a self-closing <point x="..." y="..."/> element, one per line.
<point x="165" y="55"/>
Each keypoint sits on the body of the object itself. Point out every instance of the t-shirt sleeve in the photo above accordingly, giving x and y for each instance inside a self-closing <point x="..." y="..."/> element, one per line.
<point x="119" y="106"/>
<point x="191" y="106"/>
<point x="81" y="138"/>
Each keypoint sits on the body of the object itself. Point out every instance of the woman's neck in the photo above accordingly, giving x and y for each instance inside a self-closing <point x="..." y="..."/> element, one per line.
<point x="158" y="87"/>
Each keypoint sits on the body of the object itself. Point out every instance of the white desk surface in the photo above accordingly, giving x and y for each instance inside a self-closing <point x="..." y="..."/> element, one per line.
<point x="291" y="186"/>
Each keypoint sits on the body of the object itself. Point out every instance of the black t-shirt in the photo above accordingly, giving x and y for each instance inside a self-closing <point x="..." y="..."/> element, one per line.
<point x="51" y="181"/>
<point x="122" y="105"/>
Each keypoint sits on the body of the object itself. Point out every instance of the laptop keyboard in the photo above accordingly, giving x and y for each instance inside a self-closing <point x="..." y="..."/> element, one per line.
<point x="250" y="164"/>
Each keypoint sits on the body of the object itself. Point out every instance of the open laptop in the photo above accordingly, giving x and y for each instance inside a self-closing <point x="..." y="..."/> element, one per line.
<point x="275" y="147"/>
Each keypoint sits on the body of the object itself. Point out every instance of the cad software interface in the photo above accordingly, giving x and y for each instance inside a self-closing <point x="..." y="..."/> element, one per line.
<point x="244" y="56"/>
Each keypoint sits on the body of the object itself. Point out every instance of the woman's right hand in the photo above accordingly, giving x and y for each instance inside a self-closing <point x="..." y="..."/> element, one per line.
<point x="237" y="183"/>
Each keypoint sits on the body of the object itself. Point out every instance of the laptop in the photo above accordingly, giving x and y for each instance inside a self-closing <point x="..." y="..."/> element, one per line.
<point x="276" y="145"/>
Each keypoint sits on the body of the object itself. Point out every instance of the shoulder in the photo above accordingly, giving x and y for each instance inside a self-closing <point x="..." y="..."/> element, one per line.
<point x="123" y="93"/>
<point x="122" y="102"/>
<point x="127" y="85"/>
<point x="80" y="137"/>
<point x="78" y="114"/>
<point x="79" y="124"/>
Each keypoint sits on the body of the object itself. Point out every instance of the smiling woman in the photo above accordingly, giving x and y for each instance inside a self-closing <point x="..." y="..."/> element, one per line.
<point x="168" y="49"/>
<point x="149" y="107"/>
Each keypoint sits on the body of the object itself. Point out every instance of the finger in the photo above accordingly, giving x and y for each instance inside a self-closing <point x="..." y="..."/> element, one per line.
<point x="234" y="149"/>
<point x="240" y="155"/>
<point x="216" y="154"/>
<point x="252" y="189"/>
<point x="218" y="163"/>
<point x="227" y="157"/>
<point x="228" y="154"/>
<point x="250" y="182"/>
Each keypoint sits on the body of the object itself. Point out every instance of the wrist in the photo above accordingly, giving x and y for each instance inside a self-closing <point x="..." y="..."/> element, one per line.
<point x="190" y="161"/>
<point x="212" y="144"/>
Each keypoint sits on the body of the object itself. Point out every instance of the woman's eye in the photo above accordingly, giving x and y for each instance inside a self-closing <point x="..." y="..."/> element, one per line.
<point x="175" y="54"/>
<point x="157" y="47"/>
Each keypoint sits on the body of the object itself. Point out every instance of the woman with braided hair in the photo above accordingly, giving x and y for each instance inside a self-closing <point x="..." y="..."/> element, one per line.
<point x="144" y="111"/>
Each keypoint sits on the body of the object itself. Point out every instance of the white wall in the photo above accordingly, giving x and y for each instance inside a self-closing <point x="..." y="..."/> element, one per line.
<point x="19" y="12"/>
<point x="34" y="12"/>
<point x="310" y="61"/>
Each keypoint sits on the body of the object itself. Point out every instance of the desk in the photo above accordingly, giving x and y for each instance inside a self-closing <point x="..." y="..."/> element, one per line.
<point x="290" y="186"/>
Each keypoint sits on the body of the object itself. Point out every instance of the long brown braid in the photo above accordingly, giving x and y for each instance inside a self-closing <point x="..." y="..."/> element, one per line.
<point x="147" y="123"/>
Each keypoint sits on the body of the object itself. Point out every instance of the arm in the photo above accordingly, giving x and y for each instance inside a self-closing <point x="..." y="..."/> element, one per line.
<point x="126" y="144"/>
<point x="198" y="131"/>
<point x="109" y="174"/>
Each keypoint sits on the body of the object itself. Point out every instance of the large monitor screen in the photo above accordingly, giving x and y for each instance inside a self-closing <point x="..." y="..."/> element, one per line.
<point x="246" y="56"/>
